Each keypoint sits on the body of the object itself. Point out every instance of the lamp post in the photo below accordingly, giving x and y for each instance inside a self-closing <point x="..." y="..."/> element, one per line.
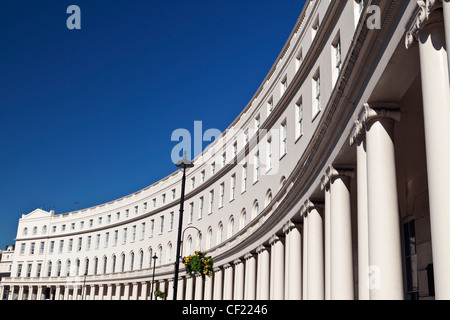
<point x="185" y="163"/>
<point x="153" y="277"/>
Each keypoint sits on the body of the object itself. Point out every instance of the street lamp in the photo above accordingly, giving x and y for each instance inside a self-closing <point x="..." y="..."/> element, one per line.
<point x="185" y="163"/>
<point x="153" y="277"/>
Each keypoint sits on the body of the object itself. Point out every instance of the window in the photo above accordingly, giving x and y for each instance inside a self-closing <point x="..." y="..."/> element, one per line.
<point x="49" y="270"/>
<point x="171" y="220"/>
<point x="118" y="216"/>
<point x="19" y="270"/>
<point x="203" y="174"/>
<point x="336" y="58"/>
<point x="256" y="168"/>
<point x="154" y="203"/>
<point x="161" y="229"/>
<point x="22" y="248"/>
<point x="52" y="246"/>
<point x="299" y="119"/>
<point x="142" y="230"/>
<point x="97" y="243"/>
<point x="315" y="28"/>
<point x="200" y="210"/>
<point x="283" y="137"/>
<point x="124" y="235"/>
<point x="316" y="94"/>
<point x="82" y="225"/>
<point x="164" y="198"/>
<point x="224" y="159"/>
<point x="257" y="123"/>
<point x="58" y="269"/>
<point x="61" y="246"/>
<point x="243" y="219"/>
<point x="269" y="106"/>
<point x="41" y="248"/>
<point x="32" y="248"/>
<point x="192" y="183"/>
<point x="106" y="239"/>
<point x="269" y="154"/>
<point x="231" y="227"/>
<point x="211" y="201"/>
<point x="222" y="193"/>
<point x="152" y="227"/>
<point x="88" y="247"/>
<point x="209" y="239"/>
<point x="213" y="168"/>
<point x="244" y="177"/>
<point x="191" y="212"/>
<point x="284" y="85"/>
<point x="220" y="234"/>
<point x="127" y="213"/>
<point x="109" y="218"/>
<point x="233" y="187"/>
<point x="134" y="234"/>
<point x="91" y="223"/>
<point x="105" y="263"/>
<point x="174" y="192"/>
<point x="99" y="221"/>
<point x="116" y="237"/>
<point x="80" y="241"/>
<point x="298" y="60"/>
<point x="38" y="270"/>
<point x="136" y="210"/>
<point x="29" y="269"/>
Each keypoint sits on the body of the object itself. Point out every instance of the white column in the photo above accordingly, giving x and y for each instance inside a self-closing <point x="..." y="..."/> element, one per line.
<point x="315" y="259"/>
<point x="189" y="288"/>
<point x="21" y="289"/>
<point x="126" y="291"/>
<point x="358" y="138"/>
<point x="250" y="277"/>
<point x="199" y="288"/>
<point x="208" y="295"/>
<point x="446" y="10"/>
<point x="144" y="288"/>
<point x="101" y="292"/>
<point x="109" y="287"/>
<point x="118" y="288"/>
<point x="228" y="282"/>
<point x="436" y="110"/>
<point x="277" y="267"/>
<point x="294" y="275"/>
<point x="305" y="255"/>
<point x="218" y="284"/>
<point x="134" y="294"/>
<point x="325" y="185"/>
<point x="238" y="280"/>
<point x="341" y="252"/>
<point x="263" y="285"/>
<point x="181" y="289"/>
<point x="385" y="255"/>
<point x="39" y="293"/>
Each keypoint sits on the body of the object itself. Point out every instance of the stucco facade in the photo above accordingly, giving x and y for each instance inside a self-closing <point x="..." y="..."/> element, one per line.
<point x="331" y="183"/>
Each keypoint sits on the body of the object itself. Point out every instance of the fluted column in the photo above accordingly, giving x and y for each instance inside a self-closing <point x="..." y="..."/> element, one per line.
<point x="358" y="138"/>
<point x="263" y="273"/>
<point x="239" y="268"/>
<point x="341" y="253"/>
<point x="315" y="252"/>
<point x="250" y="277"/>
<point x="294" y="270"/>
<point x="385" y="255"/>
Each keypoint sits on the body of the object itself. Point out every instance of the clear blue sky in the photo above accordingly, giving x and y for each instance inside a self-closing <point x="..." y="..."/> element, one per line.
<point x="87" y="115"/>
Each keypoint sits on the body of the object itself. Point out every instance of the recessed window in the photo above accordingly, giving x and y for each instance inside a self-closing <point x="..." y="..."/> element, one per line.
<point x="316" y="94"/>
<point x="299" y="118"/>
<point x="284" y="85"/>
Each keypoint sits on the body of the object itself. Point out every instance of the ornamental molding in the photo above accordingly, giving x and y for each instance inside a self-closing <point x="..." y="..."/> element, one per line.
<point x="379" y="111"/>
<point x="311" y="205"/>
<point x="420" y="18"/>
<point x="333" y="173"/>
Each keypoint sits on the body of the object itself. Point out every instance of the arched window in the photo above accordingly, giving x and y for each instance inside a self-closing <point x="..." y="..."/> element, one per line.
<point x="198" y="244"/>
<point x="86" y="267"/>
<point x="105" y="263"/>
<point x="49" y="270"/>
<point x="268" y="198"/>
<point x="25" y="232"/>
<point x="44" y="230"/>
<point x="122" y="267"/>
<point x="150" y="260"/>
<point x="231" y="227"/>
<point x="220" y="234"/>
<point x="34" y="231"/>
<point x="141" y="259"/>
<point x="169" y="252"/>
<point x="77" y="267"/>
<point x="255" y="211"/>
<point x="160" y="251"/>
<point x="68" y="268"/>
<point x="132" y="261"/>
<point x="209" y="238"/>
<point x="243" y="218"/>
<point x="58" y="268"/>
<point x="113" y="269"/>
<point x="188" y="249"/>
<point x="282" y="182"/>
<point x="95" y="265"/>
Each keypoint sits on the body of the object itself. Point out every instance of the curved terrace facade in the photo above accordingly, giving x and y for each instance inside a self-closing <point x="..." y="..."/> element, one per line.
<point x="331" y="184"/>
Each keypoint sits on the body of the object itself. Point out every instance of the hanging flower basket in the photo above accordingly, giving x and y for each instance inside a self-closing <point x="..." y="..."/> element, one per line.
<point x="198" y="264"/>
<point x="159" y="294"/>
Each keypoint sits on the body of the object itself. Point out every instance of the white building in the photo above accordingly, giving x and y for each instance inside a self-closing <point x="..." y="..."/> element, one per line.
<point x="331" y="184"/>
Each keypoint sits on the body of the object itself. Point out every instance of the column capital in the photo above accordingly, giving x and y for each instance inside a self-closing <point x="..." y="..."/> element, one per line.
<point x="261" y="248"/>
<point x="373" y="112"/>
<point x="333" y="172"/>
<point x="274" y="239"/>
<point x="309" y="205"/>
<point x="237" y="261"/>
<point x="422" y="17"/>
<point x="358" y="132"/>
<point x="288" y="226"/>
<point x="249" y="256"/>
